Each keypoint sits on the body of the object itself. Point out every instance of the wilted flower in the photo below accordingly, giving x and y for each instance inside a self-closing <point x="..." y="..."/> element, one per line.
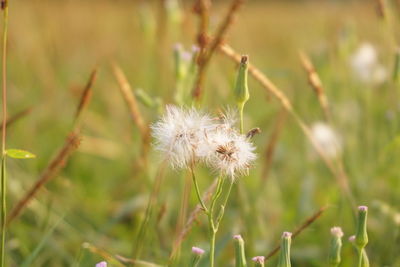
<point x="365" y="65"/>
<point x="180" y="133"/>
<point x="327" y="139"/>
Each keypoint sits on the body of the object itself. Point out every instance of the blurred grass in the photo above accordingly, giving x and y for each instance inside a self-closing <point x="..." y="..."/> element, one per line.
<point x="101" y="195"/>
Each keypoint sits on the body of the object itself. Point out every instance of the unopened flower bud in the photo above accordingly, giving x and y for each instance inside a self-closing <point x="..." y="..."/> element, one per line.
<point x="241" y="89"/>
<point x="258" y="261"/>
<point x="336" y="246"/>
<point x="361" y="239"/>
<point x="101" y="264"/>
<point x="197" y="254"/>
<point x="240" y="256"/>
<point x="284" y="256"/>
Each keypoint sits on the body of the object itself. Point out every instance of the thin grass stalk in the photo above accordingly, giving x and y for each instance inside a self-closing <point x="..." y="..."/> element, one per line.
<point x="273" y="140"/>
<point x="310" y="220"/>
<point x="11" y="120"/>
<point x="206" y="56"/>
<point x="4" y="6"/>
<point x="191" y="219"/>
<point x="149" y="210"/>
<point x="316" y="84"/>
<point x="85" y="98"/>
<point x="136" y="115"/>
<point x="338" y="173"/>
<point x="55" y="165"/>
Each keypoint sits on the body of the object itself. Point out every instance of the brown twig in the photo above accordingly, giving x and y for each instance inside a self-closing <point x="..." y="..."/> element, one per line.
<point x="273" y="140"/>
<point x="16" y="117"/>
<point x="85" y="97"/>
<point x="316" y="84"/>
<point x="206" y="56"/>
<point x="299" y="230"/>
<point x="58" y="162"/>
<point x="339" y="173"/>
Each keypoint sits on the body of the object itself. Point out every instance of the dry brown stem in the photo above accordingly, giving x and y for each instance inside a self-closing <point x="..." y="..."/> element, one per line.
<point x="316" y="84"/>
<point x="300" y="229"/>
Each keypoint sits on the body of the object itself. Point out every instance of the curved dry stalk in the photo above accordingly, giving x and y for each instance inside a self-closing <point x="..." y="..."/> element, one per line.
<point x="58" y="162"/>
<point x="300" y="229"/>
<point x="316" y="84"/>
<point x="338" y="172"/>
<point x="191" y="219"/>
<point x="208" y="50"/>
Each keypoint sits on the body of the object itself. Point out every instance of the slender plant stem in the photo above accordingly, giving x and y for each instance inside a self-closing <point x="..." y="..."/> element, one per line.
<point x="241" y="107"/>
<point x="360" y="252"/>
<point x="3" y="209"/>
<point x="196" y="186"/>
<point x="3" y="139"/>
<point x="222" y="211"/>
<point x="212" y="225"/>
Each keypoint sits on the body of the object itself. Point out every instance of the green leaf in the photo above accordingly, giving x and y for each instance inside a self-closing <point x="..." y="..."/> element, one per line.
<point x="19" y="154"/>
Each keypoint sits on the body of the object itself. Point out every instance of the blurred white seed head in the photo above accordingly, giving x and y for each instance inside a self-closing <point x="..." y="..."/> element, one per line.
<point x="327" y="139"/>
<point x="365" y="65"/>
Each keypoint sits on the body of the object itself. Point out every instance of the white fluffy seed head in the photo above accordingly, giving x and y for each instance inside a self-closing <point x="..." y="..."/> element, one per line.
<point x="365" y="65"/>
<point x="327" y="139"/>
<point x="337" y="231"/>
<point x="186" y="136"/>
<point x="180" y="133"/>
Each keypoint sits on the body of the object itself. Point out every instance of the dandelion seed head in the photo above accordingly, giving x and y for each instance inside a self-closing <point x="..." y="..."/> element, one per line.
<point x="365" y="65"/>
<point x="327" y="139"/>
<point x="180" y="133"/>
<point x="231" y="153"/>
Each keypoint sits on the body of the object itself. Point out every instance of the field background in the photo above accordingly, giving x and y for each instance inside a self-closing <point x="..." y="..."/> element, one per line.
<point x="100" y="197"/>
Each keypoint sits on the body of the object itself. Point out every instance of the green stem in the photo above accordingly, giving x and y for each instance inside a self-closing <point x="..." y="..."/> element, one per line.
<point x="3" y="210"/>
<point x="3" y="139"/>
<point x="241" y="107"/>
<point x="359" y="257"/>
<point x="222" y="211"/>
<point x="212" y="227"/>
<point x="196" y="186"/>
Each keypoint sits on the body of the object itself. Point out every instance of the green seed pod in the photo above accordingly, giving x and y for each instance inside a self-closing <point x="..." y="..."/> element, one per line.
<point x="336" y="246"/>
<point x="284" y="256"/>
<point x="241" y="89"/>
<point x="240" y="257"/>
<point x="197" y="253"/>
<point x="361" y="239"/>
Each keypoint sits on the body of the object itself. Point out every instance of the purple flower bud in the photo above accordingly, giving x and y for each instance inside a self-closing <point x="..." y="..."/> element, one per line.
<point x="286" y="234"/>
<point x="352" y="238"/>
<point x="197" y="251"/>
<point x="237" y="237"/>
<point x="101" y="264"/>
<point x="258" y="259"/>
<point x="337" y="231"/>
<point x="362" y="208"/>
